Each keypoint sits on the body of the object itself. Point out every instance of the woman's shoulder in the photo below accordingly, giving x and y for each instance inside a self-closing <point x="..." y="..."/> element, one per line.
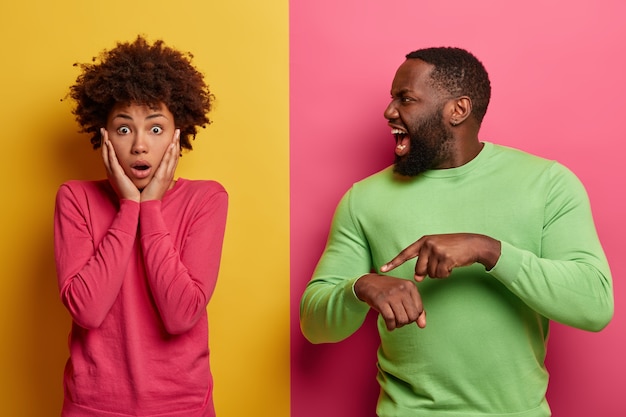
<point x="88" y="195"/>
<point x="86" y="187"/>
<point x="200" y="184"/>
<point x="199" y="188"/>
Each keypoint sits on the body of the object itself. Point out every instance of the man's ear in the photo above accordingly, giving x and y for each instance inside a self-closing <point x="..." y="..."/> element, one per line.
<point x="460" y="110"/>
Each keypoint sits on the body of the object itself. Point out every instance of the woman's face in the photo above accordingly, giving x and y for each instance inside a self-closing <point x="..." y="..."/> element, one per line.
<point x="140" y="135"/>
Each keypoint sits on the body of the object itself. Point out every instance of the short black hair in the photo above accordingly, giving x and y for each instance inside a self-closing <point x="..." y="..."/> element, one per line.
<point x="146" y="74"/>
<point x="459" y="73"/>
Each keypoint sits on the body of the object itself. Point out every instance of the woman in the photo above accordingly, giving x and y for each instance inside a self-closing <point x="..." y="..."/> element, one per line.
<point x="138" y="254"/>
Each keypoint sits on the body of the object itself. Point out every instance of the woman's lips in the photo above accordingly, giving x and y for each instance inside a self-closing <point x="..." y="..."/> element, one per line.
<point x="141" y="169"/>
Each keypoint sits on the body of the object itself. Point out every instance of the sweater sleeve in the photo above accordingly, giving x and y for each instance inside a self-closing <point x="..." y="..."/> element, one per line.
<point x="570" y="280"/>
<point x="90" y="276"/>
<point x="329" y="309"/>
<point x="182" y="282"/>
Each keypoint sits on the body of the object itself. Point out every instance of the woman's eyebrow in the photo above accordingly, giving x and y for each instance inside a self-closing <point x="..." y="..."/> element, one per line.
<point x="129" y="117"/>
<point x="155" y="115"/>
<point x="123" y="116"/>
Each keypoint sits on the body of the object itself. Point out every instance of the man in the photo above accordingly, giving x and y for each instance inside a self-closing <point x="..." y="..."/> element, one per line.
<point x="500" y="243"/>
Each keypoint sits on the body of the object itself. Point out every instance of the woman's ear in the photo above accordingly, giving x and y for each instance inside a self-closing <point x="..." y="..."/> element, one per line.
<point x="460" y="109"/>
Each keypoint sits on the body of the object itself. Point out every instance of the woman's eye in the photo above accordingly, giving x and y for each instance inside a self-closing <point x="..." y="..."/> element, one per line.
<point x="123" y="130"/>
<point x="157" y="129"/>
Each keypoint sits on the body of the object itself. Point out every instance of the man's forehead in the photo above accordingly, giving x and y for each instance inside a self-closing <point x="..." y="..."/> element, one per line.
<point x="416" y="68"/>
<point x="411" y="75"/>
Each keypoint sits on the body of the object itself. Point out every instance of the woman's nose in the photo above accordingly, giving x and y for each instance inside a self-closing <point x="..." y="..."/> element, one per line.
<point x="140" y="144"/>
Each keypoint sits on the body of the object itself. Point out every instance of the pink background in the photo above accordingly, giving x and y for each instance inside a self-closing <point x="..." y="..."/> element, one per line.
<point x="557" y="73"/>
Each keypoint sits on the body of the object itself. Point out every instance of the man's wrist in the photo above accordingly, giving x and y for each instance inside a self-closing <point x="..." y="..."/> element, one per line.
<point x="356" y="286"/>
<point x="490" y="252"/>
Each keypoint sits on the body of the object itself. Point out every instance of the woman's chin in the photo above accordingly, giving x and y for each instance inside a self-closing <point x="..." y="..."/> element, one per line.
<point x="141" y="184"/>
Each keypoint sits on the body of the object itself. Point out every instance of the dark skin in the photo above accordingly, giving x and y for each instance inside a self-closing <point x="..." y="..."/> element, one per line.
<point x="413" y="98"/>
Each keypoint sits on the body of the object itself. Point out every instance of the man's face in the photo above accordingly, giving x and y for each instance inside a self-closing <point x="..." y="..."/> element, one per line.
<point x="415" y="115"/>
<point x="429" y="144"/>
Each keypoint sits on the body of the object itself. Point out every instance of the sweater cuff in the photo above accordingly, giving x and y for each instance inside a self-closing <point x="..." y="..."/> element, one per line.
<point x="126" y="219"/>
<point x="506" y="270"/>
<point x="352" y="301"/>
<point x="150" y="217"/>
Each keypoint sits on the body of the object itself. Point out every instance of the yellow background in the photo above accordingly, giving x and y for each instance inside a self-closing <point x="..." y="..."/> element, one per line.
<point x="242" y="47"/>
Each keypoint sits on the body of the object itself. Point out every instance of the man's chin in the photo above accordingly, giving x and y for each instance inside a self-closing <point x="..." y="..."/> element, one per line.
<point x="402" y="167"/>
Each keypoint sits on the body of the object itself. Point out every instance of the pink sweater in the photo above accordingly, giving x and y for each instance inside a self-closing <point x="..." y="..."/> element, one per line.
<point x="136" y="279"/>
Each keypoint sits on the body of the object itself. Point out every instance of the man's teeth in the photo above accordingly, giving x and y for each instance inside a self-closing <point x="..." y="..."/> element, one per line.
<point x="398" y="132"/>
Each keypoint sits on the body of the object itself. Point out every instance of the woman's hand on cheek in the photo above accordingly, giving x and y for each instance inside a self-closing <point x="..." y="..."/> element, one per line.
<point x="120" y="182"/>
<point x="164" y="174"/>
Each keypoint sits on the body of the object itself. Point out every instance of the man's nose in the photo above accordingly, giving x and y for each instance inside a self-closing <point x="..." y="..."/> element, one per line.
<point x="391" y="112"/>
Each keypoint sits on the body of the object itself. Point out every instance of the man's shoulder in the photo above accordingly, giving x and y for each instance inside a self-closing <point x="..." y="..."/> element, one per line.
<point x="373" y="190"/>
<point x="509" y="152"/>
<point x="513" y="162"/>
<point x="375" y="183"/>
<point x="383" y="176"/>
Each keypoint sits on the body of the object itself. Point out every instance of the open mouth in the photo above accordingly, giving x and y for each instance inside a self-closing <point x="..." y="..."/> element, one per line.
<point x="402" y="141"/>
<point x="141" y="169"/>
<point x="398" y="133"/>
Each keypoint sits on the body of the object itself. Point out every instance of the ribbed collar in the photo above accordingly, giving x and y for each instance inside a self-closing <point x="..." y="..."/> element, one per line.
<point x="485" y="152"/>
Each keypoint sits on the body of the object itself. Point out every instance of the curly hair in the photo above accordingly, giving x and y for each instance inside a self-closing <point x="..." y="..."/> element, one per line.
<point x="144" y="74"/>
<point x="459" y="73"/>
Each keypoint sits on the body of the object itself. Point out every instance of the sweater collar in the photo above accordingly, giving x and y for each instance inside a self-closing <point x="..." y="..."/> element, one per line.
<point x="463" y="169"/>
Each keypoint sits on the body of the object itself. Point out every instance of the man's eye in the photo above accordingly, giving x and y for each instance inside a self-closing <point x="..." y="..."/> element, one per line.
<point x="123" y="130"/>
<point x="157" y="129"/>
<point x="401" y="99"/>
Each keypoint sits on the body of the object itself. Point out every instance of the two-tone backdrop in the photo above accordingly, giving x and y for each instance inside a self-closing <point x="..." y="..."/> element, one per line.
<point x="300" y="90"/>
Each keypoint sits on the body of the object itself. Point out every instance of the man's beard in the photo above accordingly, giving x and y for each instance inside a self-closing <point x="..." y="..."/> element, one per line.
<point x="428" y="146"/>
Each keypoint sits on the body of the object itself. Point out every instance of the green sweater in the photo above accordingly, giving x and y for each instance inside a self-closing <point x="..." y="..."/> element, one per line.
<point x="483" y="351"/>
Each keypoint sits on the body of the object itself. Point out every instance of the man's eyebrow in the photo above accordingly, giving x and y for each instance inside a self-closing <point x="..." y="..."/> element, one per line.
<point x="401" y="92"/>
